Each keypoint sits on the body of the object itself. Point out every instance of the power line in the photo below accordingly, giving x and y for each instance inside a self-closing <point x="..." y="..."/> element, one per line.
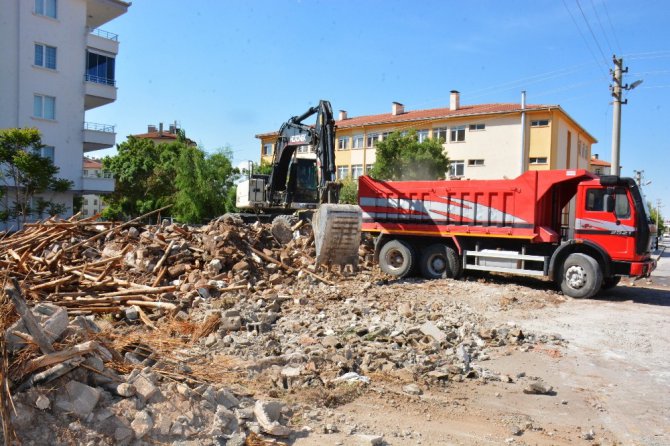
<point x="648" y="55"/>
<point x="612" y="27"/>
<point x="600" y="23"/>
<point x="588" y="25"/>
<point x="582" y="35"/>
<point x="509" y="85"/>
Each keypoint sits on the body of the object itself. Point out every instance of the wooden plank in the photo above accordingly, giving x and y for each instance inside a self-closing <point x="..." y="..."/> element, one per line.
<point x="60" y="356"/>
<point x="128" y="223"/>
<point x="28" y="318"/>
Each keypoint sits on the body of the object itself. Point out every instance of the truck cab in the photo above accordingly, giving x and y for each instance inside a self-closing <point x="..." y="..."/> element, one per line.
<point x="612" y="215"/>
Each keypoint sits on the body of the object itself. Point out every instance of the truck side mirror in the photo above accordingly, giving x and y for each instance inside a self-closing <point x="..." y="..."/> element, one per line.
<point x="609" y="203"/>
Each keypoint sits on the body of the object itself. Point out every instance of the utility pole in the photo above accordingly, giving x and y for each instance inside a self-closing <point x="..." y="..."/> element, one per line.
<point x="617" y="92"/>
<point x="616" y="112"/>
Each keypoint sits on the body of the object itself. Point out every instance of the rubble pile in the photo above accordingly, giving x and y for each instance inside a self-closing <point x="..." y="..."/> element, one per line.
<point x="116" y="334"/>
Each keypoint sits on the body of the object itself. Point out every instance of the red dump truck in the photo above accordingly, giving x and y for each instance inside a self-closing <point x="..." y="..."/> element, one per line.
<point x="529" y="225"/>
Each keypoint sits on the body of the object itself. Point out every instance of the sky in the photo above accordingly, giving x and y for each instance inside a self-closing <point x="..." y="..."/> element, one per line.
<point x="228" y="70"/>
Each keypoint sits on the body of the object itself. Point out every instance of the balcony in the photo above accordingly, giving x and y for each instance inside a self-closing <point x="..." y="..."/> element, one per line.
<point x="98" y="136"/>
<point x="98" y="185"/>
<point x="102" y="40"/>
<point x="99" y="12"/>
<point x="99" y="91"/>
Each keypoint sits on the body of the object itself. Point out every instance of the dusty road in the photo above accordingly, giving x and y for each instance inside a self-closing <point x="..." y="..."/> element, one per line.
<point x="611" y="375"/>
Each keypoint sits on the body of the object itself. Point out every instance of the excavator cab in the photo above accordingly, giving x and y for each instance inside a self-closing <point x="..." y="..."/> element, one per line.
<point x="302" y="184"/>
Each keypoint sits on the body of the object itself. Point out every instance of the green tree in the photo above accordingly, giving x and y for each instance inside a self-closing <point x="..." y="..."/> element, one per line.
<point x="403" y="157"/>
<point x="656" y="216"/>
<point x="25" y="175"/>
<point x="136" y="168"/>
<point x="150" y="175"/>
<point x="349" y="191"/>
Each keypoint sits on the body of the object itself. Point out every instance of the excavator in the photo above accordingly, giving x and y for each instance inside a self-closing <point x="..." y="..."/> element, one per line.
<point x="301" y="188"/>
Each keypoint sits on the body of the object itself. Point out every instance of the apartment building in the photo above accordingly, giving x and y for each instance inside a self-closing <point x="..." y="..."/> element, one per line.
<point x="482" y="141"/>
<point x="57" y="64"/>
<point x="92" y="204"/>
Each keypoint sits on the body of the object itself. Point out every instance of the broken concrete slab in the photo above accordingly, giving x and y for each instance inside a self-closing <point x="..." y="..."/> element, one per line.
<point x="78" y="399"/>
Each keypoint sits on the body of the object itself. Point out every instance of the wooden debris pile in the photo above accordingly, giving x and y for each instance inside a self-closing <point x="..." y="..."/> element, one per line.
<point x="74" y="268"/>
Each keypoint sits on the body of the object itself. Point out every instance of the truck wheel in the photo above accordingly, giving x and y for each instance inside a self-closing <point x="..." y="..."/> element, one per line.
<point x="396" y="258"/>
<point x="439" y="261"/>
<point x="281" y="228"/>
<point x="581" y="276"/>
<point x="610" y="282"/>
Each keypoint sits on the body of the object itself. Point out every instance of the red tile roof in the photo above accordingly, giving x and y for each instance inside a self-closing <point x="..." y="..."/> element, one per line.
<point x="433" y="113"/>
<point x="92" y="164"/>
<point x="156" y="135"/>
<point x="437" y="113"/>
<point x="599" y="162"/>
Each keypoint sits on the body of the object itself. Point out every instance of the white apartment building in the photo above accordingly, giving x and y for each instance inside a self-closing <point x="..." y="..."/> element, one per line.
<point x="56" y="65"/>
<point x="92" y="204"/>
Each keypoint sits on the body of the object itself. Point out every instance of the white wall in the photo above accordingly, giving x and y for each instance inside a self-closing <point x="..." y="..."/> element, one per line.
<point x="499" y="145"/>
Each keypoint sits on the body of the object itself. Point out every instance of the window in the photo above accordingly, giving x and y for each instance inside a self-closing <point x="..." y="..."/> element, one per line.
<point x="100" y="69"/>
<point x="357" y="142"/>
<point x="85" y="201"/>
<point x="46" y="7"/>
<point x="596" y="201"/>
<point x="267" y="149"/>
<point x="599" y="171"/>
<point x="458" y="134"/>
<point x="456" y="168"/>
<point x="44" y="107"/>
<point x="440" y="133"/>
<point x="368" y="168"/>
<point x="84" y="212"/>
<point x="538" y="160"/>
<point x="95" y="202"/>
<point x="384" y="136"/>
<point x="342" y="172"/>
<point x="539" y="123"/>
<point x="86" y="173"/>
<point x="472" y="163"/>
<point x="356" y="171"/>
<point x="422" y="135"/>
<point x="477" y="127"/>
<point x="45" y="56"/>
<point x="106" y="174"/>
<point x="47" y="152"/>
<point x="342" y="143"/>
<point x="372" y="139"/>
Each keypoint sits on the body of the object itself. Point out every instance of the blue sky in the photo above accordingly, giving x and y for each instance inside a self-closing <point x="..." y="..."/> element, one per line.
<point x="227" y="70"/>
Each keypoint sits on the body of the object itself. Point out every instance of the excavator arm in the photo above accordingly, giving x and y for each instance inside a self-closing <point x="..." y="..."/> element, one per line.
<point x="295" y="133"/>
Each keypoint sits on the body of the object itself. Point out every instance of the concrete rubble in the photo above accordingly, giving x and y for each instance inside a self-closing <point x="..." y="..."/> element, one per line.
<point x="173" y="333"/>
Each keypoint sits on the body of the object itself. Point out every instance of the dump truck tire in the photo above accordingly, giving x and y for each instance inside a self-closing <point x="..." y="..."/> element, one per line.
<point x="281" y="228"/>
<point x="438" y="261"/>
<point x="397" y="258"/>
<point x="610" y="282"/>
<point x="581" y="276"/>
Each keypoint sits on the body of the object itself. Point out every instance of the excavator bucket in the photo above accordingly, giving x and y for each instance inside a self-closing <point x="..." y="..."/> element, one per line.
<point x="337" y="234"/>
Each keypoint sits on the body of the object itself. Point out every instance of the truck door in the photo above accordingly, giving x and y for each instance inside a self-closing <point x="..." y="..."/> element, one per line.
<point x="608" y="219"/>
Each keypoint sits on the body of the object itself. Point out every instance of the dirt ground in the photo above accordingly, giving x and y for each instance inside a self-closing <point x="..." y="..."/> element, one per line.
<point x="610" y="373"/>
